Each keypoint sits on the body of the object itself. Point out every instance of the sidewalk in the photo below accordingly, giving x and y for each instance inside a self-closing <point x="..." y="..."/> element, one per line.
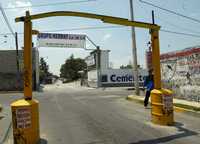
<point x="179" y="105"/>
<point x="5" y="123"/>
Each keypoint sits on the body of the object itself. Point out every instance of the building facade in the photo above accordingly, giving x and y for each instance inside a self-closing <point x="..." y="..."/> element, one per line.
<point x="181" y="72"/>
<point x="104" y="76"/>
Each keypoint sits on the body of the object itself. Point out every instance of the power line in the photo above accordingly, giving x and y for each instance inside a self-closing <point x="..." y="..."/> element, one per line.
<point x="6" y="20"/>
<point x="85" y="28"/>
<point x="174" y="25"/>
<point x="178" y="26"/>
<point x="170" y="11"/>
<point x="108" y="27"/>
<point x="50" y="4"/>
<point x="74" y="29"/>
<point x="180" y="33"/>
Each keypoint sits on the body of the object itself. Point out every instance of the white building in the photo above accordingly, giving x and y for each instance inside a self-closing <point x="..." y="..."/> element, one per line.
<point x="106" y="76"/>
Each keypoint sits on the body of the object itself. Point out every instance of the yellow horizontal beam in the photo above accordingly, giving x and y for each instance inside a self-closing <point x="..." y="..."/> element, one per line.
<point x="35" y="32"/>
<point x="106" y="19"/>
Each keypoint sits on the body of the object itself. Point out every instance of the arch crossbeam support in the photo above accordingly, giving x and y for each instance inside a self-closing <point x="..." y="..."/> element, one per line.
<point x="106" y="19"/>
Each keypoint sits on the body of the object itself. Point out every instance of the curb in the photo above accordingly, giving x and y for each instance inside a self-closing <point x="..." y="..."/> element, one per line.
<point x="177" y="108"/>
<point x="5" y="125"/>
<point x="4" y="138"/>
<point x="10" y="92"/>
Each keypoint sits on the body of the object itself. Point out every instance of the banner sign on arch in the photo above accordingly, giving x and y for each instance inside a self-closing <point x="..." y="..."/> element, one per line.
<point x="61" y="40"/>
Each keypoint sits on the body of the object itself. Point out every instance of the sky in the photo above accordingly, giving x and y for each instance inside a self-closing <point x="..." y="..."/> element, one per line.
<point x="118" y="40"/>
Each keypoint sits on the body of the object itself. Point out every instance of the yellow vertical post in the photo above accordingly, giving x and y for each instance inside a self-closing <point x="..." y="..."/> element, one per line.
<point x="156" y="58"/>
<point x="27" y="57"/>
<point x="25" y="112"/>
<point x="161" y="99"/>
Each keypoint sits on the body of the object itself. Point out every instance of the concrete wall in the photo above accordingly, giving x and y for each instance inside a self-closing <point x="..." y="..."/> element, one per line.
<point x="92" y="78"/>
<point x="11" y="81"/>
<point x="104" y="59"/>
<point x="9" y="77"/>
<point x="8" y="61"/>
<point x="181" y="73"/>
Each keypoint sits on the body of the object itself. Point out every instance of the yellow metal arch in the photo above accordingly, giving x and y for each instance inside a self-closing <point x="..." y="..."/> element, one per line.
<point x="32" y="134"/>
<point x="27" y="19"/>
<point x="106" y="19"/>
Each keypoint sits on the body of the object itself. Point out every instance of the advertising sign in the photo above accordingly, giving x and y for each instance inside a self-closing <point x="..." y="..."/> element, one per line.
<point x="23" y="116"/>
<point x="61" y="40"/>
<point x="168" y="102"/>
<point x="121" y="77"/>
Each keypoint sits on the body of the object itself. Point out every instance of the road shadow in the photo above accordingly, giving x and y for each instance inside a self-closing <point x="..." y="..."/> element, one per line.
<point x="43" y="141"/>
<point x="184" y="133"/>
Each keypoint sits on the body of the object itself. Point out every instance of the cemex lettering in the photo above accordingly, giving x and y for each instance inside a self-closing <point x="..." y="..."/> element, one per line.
<point x="125" y="78"/>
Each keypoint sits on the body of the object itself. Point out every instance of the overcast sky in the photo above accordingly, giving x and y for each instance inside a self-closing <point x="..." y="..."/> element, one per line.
<point x="118" y="40"/>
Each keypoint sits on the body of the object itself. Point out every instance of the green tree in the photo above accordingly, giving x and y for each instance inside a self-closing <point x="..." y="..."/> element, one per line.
<point x="126" y="66"/>
<point x="44" y="69"/>
<point x="70" y="69"/>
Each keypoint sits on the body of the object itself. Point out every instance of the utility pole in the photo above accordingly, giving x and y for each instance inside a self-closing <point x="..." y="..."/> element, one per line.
<point x="134" y="51"/>
<point x="17" y="51"/>
<point x="17" y="60"/>
<point x="98" y="61"/>
<point x="153" y="18"/>
<point x="98" y="65"/>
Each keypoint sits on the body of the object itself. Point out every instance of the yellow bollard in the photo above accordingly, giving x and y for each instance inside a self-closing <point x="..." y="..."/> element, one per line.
<point x="25" y="112"/>
<point x="25" y="118"/>
<point x="162" y="107"/>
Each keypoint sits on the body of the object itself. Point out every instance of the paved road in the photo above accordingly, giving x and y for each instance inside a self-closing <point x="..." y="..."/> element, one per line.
<point x="75" y="115"/>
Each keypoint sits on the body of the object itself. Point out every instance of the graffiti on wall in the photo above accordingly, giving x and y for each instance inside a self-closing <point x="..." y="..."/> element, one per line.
<point x="182" y="74"/>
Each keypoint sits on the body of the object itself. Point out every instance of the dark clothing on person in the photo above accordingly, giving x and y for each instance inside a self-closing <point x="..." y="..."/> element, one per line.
<point x="149" y="84"/>
<point x="146" y="100"/>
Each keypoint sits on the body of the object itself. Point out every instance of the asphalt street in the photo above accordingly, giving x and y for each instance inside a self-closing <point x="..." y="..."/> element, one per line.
<point x="70" y="114"/>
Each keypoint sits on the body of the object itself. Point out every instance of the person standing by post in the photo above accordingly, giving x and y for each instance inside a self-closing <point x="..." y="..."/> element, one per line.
<point x="149" y="84"/>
